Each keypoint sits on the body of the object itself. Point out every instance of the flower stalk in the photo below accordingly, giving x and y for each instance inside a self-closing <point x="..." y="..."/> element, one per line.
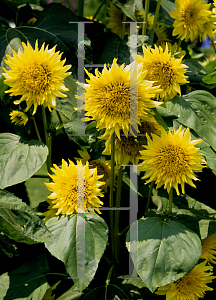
<point x="155" y="18"/>
<point x="149" y="197"/>
<point x="111" y="199"/>
<point x="48" y="139"/>
<point x="144" y="28"/>
<point x="36" y="129"/>
<point x="170" y="200"/>
<point x="117" y="213"/>
<point x="123" y="26"/>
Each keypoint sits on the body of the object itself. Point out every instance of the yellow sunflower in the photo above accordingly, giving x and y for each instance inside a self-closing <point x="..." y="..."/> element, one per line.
<point x="189" y="18"/>
<point x="37" y="75"/>
<point x="107" y="97"/>
<point x="209" y="248"/>
<point x="71" y="183"/>
<point x="18" y="117"/>
<point x="207" y="29"/>
<point x="173" y="49"/>
<point x="172" y="159"/>
<point x="161" y="34"/>
<point x="166" y="70"/>
<point x="127" y="150"/>
<point x="191" y="287"/>
<point x="115" y="20"/>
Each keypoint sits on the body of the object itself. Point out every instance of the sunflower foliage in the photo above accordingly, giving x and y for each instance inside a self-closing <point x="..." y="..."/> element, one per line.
<point x="107" y="149"/>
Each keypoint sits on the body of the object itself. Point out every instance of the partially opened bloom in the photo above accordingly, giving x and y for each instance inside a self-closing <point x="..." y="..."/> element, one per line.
<point x="127" y="150"/>
<point x="189" y="18"/>
<point x="108" y="97"/>
<point x="36" y="75"/>
<point x="163" y="68"/>
<point x="18" y="117"/>
<point x="191" y="287"/>
<point x="115" y="20"/>
<point x="209" y="248"/>
<point x="172" y="159"/>
<point x="173" y="49"/>
<point x="71" y="185"/>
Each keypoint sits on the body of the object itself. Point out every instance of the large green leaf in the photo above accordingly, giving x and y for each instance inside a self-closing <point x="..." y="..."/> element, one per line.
<point x="167" y="251"/>
<point x="19" y="158"/>
<point x="28" y="282"/>
<point x="197" y="216"/>
<point x="197" y="111"/>
<point x="19" y="222"/>
<point x="79" y="252"/>
<point x="52" y="27"/>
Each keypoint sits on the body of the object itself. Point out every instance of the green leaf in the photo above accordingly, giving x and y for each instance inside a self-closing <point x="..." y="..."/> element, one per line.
<point x="53" y="28"/>
<point x="167" y="251"/>
<point x="71" y="294"/>
<point x="197" y="111"/>
<point x="128" y="8"/>
<point x="210" y="78"/>
<point x="19" y="158"/>
<point x="27" y="282"/>
<point x="168" y="6"/>
<point x="197" y="216"/>
<point x="195" y="72"/>
<point x="66" y="105"/>
<point x="19" y="222"/>
<point x="7" y="247"/>
<point x="71" y="250"/>
<point x="113" y="47"/>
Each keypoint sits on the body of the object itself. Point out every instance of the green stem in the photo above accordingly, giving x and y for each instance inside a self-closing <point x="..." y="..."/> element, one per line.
<point x="156" y="17"/>
<point x="109" y="274"/>
<point x="123" y="26"/>
<point x="111" y="199"/>
<point x="69" y="4"/>
<point x="149" y="197"/>
<point x="123" y="231"/>
<point x="48" y="139"/>
<point x="170" y="200"/>
<point x="213" y="44"/>
<point x="147" y="2"/>
<point x="80" y="8"/>
<point x="117" y="213"/>
<point x="179" y="44"/>
<point x="99" y="8"/>
<point x="36" y="129"/>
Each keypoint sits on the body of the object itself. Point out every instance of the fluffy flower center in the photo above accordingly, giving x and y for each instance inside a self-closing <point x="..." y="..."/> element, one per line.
<point x="172" y="160"/>
<point x="162" y="73"/>
<point x="116" y="98"/>
<point x="36" y="77"/>
<point x="190" y="16"/>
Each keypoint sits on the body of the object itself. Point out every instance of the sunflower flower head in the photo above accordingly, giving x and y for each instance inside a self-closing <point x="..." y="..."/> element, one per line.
<point x="115" y="20"/>
<point x="189" y="18"/>
<point x="191" y="287"/>
<point x="18" y="117"/>
<point x="108" y="95"/>
<point x="36" y="75"/>
<point x="209" y="248"/>
<point x="75" y="188"/>
<point x="127" y="149"/>
<point x="172" y="159"/>
<point x="166" y="70"/>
